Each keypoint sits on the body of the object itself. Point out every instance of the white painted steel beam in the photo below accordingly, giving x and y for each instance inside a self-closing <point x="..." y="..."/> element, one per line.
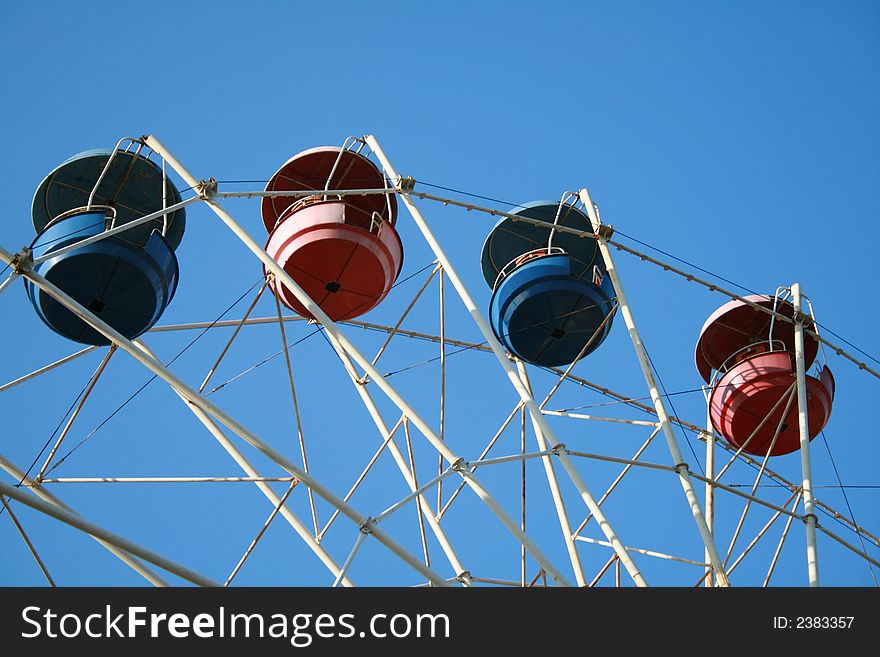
<point x="555" y="492"/>
<point x="659" y="403"/>
<point x="47" y="368"/>
<point x="508" y="367"/>
<point x="804" y="435"/>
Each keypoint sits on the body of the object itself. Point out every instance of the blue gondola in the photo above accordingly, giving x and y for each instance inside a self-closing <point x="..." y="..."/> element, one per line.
<point x="551" y="296"/>
<point x="126" y="280"/>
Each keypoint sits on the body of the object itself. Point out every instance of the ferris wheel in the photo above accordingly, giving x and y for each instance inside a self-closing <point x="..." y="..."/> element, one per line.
<point x="430" y="434"/>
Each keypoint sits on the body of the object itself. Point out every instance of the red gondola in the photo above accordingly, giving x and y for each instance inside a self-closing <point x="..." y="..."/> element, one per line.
<point x="343" y="250"/>
<point x="748" y="360"/>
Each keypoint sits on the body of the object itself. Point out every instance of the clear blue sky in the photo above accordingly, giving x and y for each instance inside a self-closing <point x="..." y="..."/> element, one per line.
<point x="741" y="136"/>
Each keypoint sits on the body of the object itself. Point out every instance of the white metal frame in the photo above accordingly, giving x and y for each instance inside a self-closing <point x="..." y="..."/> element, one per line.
<point x="549" y="446"/>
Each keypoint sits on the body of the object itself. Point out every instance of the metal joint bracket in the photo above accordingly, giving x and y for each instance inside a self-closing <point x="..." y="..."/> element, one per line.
<point x="815" y="518"/>
<point x="559" y="449"/>
<point x="679" y="466"/>
<point x="22" y="261"/>
<point x="605" y="231"/>
<point x="459" y="465"/>
<point x="464" y="577"/>
<point x="406" y="184"/>
<point x="800" y="317"/>
<point x="207" y="189"/>
<point x="367" y="525"/>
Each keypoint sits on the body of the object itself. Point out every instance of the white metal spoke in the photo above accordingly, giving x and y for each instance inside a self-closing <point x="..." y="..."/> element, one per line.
<point x="497" y="582"/>
<point x="442" y="433"/>
<point x="522" y="414"/>
<point x="163" y="480"/>
<point x="85" y="396"/>
<point x="647" y="553"/>
<point x="299" y="430"/>
<point x="510" y="458"/>
<point x="709" y="489"/>
<point x="416" y="494"/>
<point x="361" y="537"/>
<point x="9" y="281"/>
<point x="804" y="431"/>
<point x="669" y="468"/>
<point x="659" y="404"/>
<point x="617" y="459"/>
<point x="47" y="368"/>
<point x="582" y="416"/>
<point x="555" y="492"/>
<point x="739" y="493"/>
<point x="297" y="193"/>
